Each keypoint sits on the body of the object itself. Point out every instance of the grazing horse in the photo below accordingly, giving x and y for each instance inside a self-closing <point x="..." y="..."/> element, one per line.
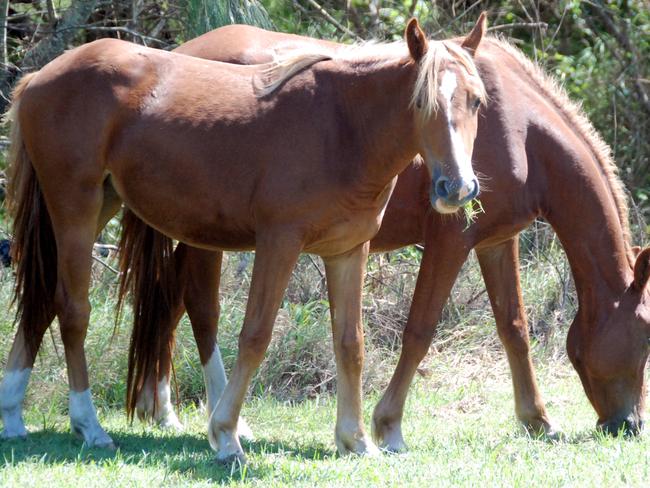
<point x="542" y="158"/>
<point x="300" y="155"/>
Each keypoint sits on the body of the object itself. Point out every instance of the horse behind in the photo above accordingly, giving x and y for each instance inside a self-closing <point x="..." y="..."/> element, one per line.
<point x="228" y="157"/>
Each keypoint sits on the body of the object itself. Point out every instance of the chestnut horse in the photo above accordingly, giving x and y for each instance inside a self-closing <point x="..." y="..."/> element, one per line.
<point x="542" y="158"/>
<point x="300" y="155"/>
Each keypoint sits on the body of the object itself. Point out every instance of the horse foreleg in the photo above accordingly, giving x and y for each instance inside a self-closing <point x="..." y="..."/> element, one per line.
<point x="275" y="256"/>
<point x="500" y="268"/>
<point x="344" y="284"/>
<point x="202" y="276"/>
<point x="441" y="262"/>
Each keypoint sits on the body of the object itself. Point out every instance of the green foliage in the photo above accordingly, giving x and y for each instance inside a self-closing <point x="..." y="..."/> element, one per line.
<point x="202" y="16"/>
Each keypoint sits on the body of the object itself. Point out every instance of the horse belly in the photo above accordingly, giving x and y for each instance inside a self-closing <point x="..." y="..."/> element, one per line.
<point x="202" y="213"/>
<point x="344" y="235"/>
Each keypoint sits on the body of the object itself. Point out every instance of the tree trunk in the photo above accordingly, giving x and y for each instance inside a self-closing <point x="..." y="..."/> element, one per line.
<point x="7" y="71"/>
<point x="48" y="48"/>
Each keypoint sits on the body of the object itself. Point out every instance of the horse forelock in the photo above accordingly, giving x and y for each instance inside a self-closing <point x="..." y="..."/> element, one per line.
<point x="576" y="116"/>
<point x="427" y="83"/>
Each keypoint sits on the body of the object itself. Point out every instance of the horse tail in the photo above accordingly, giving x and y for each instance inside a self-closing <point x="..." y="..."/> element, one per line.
<point x="148" y="271"/>
<point x="33" y="249"/>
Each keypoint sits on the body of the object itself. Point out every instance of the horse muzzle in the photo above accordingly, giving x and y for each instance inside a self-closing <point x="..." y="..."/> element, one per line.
<point x="629" y="426"/>
<point x="447" y="195"/>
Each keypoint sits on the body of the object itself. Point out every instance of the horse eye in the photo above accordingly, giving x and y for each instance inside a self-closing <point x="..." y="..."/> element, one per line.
<point x="476" y="104"/>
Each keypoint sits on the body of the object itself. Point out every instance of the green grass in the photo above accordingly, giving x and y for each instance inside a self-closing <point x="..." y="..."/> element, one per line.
<point x="461" y="432"/>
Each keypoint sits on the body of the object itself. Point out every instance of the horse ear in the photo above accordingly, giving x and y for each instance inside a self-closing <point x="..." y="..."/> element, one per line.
<point x="473" y="39"/>
<point x="642" y="269"/>
<point x="416" y="40"/>
<point x="636" y="250"/>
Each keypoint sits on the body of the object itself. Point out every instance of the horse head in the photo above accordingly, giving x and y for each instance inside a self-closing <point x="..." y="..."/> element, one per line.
<point x="446" y="100"/>
<point x="611" y="358"/>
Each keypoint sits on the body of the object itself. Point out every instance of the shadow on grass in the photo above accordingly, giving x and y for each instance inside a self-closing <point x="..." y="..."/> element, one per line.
<point x="184" y="454"/>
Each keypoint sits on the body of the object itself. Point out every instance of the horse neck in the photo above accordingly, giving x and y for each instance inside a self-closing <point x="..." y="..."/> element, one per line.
<point x="581" y="209"/>
<point x="377" y="103"/>
<point x="565" y="179"/>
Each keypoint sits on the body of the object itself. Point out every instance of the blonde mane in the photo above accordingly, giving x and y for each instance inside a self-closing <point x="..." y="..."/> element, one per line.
<point x="290" y="62"/>
<point x="551" y="89"/>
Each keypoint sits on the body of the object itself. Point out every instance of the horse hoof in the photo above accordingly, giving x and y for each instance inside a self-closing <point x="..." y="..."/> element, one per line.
<point x="171" y="423"/>
<point x="9" y="434"/>
<point x="393" y="447"/>
<point x="100" y="440"/>
<point x="370" y="449"/>
<point x="105" y="445"/>
<point x="389" y="440"/>
<point x="357" y="447"/>
<point x="553" y="434"/>
<point x="543" y="430"/>
<point x="238" y="458"/>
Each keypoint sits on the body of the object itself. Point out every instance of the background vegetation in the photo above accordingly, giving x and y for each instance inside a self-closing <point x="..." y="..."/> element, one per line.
<point x="461" y="407"/>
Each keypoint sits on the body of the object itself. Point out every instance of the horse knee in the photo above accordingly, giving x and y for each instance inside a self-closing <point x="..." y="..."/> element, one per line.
<point x="514" y="336"/>
<point x="351" y="348"/>
<point x="253" y="343"/>
<point x="417" y="341"/>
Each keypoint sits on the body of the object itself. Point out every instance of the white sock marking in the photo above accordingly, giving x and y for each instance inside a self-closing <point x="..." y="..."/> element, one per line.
<point x="12" y="394"/>
<point x="215" y="383"/>
<point x="83" y="419"/>
<point x="165" y="415"/>
<point x="215" y="379"/>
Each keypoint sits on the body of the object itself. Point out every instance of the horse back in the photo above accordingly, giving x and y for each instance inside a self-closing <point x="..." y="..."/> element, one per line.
<point x="246" y="44"/>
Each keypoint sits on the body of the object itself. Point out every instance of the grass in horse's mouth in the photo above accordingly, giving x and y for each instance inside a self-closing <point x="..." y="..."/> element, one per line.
<point x="471" y="210"/>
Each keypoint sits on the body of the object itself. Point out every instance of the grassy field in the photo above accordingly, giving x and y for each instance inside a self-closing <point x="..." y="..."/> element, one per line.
<point x="461" y="432"/>
<point x="459" y="423"/>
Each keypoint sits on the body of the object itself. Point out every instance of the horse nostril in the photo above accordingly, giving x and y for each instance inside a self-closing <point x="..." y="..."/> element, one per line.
<point x="632" y="426"/>
<point x="443" y="187"/>
<point x="475" y="191"/>
<point x="628" y="427"/>
<point x="470" y="193"/>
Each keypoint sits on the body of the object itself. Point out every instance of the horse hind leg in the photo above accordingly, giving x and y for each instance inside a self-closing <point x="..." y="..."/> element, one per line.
<point x="34" y="254"/>
<point x="275" y="256"/>
<point x="200" y="270"/>
<point x="16" y="377"/>
<point x="75" y="235"/>
<point x="33" y="325"/>
<point x="500" y="268"/>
